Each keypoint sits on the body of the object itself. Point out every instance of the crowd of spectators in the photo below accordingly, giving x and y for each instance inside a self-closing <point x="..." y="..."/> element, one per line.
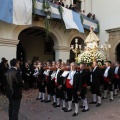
<point x="74" y="8"/>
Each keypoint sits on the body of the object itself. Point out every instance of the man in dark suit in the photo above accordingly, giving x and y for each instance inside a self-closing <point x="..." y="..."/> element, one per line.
<point x="83" y="76"/>
<point x="116" y="77"/>
<point x="59" y="86"/>
<point x="61" y="3"/>
<point x="108" y="80"/>
<point x="95" y="84"/>
<point x="14" y="89"/>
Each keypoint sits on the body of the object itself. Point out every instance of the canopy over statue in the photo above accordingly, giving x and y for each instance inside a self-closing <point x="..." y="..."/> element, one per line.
<point x="91" y="51"/>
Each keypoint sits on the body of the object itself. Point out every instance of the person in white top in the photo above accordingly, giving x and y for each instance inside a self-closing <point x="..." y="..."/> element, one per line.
<point x="108" y="80"/>
<point x="116" y="78"/>
<point x="95" y="84"/>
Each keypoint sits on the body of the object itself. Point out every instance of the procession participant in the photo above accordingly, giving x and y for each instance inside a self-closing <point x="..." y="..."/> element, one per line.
<point x="3" y="69"/>
<point x="95" y="84"/>
<point x="40" y="82"/>
<point x="108" y="80"/>
<point x="83" y="75"/>
<point x="66" y="70"/>
<point x="53" y="91"/>
<point x="116" y="77"/>
<point x="59" y="86"/>
<point x="48" y="81"/>
<point x="33" y="77"/>
<point x="26" y="75"/>
<point x="73" y="88"/>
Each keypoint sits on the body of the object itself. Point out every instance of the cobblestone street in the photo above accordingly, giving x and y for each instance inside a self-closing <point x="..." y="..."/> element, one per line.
<point x="32" y="109"/>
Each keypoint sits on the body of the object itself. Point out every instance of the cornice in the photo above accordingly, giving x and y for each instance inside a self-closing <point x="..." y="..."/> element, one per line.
<point x="113" y="30"/>
<point x="8" y="42"/>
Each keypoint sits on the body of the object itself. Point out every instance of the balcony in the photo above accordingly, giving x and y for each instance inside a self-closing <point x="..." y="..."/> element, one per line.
<point x="87" y="22"/>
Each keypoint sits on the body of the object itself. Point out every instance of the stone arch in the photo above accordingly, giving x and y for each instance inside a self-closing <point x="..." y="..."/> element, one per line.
<point x="54" y="35"/>
<point x="75" y="35"/>
<point x="113" y="49"/>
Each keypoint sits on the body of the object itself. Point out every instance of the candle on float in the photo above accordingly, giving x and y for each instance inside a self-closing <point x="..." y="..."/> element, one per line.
<point x="76" y="40"/>
<point x="101" y="47"/>
<point x="109" y="45"/>
<point x="72" y="46"/>
<point x="76" y="45"/>
<point x="80" y="46"/>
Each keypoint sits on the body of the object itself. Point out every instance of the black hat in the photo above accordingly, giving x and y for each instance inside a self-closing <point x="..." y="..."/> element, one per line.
<point x="109" y="61"/>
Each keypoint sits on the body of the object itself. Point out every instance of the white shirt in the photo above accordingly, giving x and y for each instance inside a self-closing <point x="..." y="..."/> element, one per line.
<point x="94" y="68"/>
<point x="14" y="67"/>
<point x="70" y="76"/>
<point x="93" y="71"/>
<point x="56" y="74"/>
<point x="106" y="71"/>
<point x="116" y="70"/>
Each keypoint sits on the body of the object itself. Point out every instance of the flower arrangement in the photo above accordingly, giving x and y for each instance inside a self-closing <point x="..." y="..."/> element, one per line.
<point x="88" y="57"/>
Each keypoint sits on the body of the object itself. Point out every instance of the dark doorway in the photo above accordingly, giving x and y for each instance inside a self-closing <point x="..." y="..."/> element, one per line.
<point x="118" y="52"/>
<point x="80" y="42"/>
<point x="20" y="52"/>
<point x="34" y="46"/>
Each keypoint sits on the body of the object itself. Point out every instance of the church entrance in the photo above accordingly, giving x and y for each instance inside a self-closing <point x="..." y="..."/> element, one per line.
<point x="80" y="42"/>
<point x="118" y="52"/>
<point x="34" y="46"/>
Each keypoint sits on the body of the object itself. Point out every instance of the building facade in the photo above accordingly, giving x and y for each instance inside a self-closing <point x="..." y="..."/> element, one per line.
<point x="32" y="37"/>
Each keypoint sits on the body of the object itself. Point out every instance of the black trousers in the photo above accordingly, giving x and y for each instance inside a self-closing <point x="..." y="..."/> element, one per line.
<point x="60" y="93"/>
<point x="107" y="86"/>
<point x="95" y="89"/>
<point x="72" y="93"/>
<point x="83" y="93"/>
<point x="117" y="83"/>
<point x="14" y="106"/>
<point x="41" y="86"/>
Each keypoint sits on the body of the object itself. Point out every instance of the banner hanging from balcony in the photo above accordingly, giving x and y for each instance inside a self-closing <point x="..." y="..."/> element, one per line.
<point x="71" y="19"/>
<point x="17" y="12"/>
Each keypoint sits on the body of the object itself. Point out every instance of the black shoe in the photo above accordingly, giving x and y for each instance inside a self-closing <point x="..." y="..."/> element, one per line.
<point x="57" y="106"/>
<point x="111" y="100"/>
<point x="98" y="105"/>
<point x="84" y="110"/>
<point x="54" y="103"/>
<point x="42" y="100"/>
<point x="115" y="95"/>
<point x="82" y="106"/>
<point x="104" y="97"/>
<point x="75" y="114"/>
<point x="73" y="101"/>
<point x="66" y="110"/>
<point x="92" y="102"/>
<point x="47" y="101"/>
<point x="66" y="100"/>
<point x="38" y="98"/>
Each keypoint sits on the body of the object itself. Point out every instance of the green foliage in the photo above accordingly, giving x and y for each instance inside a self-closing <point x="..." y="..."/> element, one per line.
<point x="33" y="7"/>
<point x="81" y="18"/>
<point x="98" y="27"/>
<point x="60" y="11"/>
<point x="47" y="11"/>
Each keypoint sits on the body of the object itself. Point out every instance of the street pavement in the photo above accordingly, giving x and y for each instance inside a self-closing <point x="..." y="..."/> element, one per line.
<point x="32" y="109"/>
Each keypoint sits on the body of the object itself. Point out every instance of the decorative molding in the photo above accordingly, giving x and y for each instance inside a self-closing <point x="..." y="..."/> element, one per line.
<point x="113" y="30"/>
<point x="8" y="42"/>
<point x="62" y="48"/>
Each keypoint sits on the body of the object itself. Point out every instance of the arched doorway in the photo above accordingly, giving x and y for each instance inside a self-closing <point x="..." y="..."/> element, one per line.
<point x="34" y="46"/>
<point x="80" y="42"/>
<point x="118" y="52"/>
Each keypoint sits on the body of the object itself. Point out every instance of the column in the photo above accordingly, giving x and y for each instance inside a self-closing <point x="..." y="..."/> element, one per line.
<point x="8" y="48"/>
<point x="62" y="52"/>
